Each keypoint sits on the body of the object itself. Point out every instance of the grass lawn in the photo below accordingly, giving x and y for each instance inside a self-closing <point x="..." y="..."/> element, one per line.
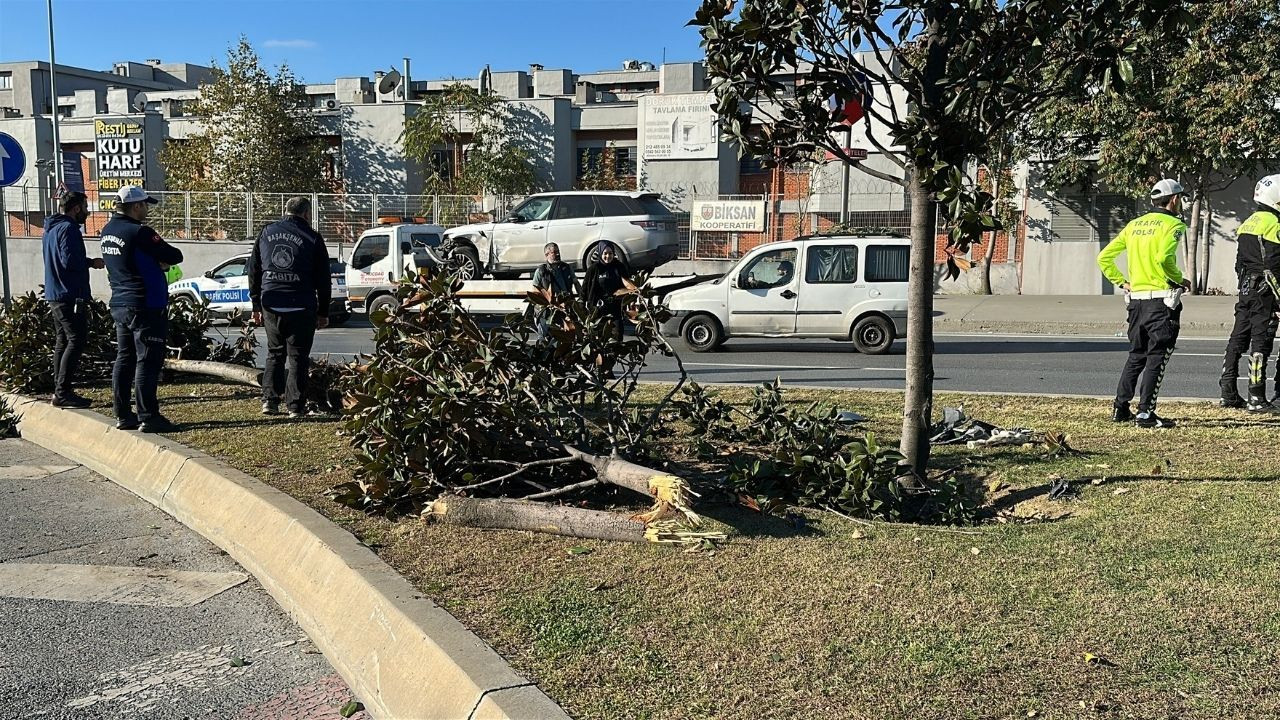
<point x="1166" y="573"/>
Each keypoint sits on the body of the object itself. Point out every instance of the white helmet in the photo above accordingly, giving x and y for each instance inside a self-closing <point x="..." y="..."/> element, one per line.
<point x="1267" y="191"/>
<point x="1166" y="188"/>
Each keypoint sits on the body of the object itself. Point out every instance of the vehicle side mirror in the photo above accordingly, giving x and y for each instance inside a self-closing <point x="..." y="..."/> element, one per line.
<point x="406" y="247"/>
<point x="515" y="219"/>
<point x="733" y="282"/>
<point x="208" y="274"/>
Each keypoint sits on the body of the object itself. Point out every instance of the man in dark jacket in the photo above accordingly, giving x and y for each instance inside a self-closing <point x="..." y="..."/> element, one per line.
<point x="136" y="259"/>
<point x="289" y="286"/>
<point x="66" y="287"/>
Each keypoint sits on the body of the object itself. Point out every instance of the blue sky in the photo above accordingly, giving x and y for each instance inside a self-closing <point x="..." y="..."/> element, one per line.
<point x="324" y="39"/>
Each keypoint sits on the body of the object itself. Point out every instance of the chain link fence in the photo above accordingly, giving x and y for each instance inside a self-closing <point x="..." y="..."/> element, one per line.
<point x="237" y="216"/>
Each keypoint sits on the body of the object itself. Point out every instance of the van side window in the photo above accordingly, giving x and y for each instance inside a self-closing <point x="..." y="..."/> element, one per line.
<point x="888" y="263"/>
<point x="769" y="270"/>
<point x="370" y="250"/>
<point x="831" y="264"/>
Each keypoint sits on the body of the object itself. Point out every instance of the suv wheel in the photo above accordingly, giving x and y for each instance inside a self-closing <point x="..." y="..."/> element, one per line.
<point x="465" y="261"/>
<point x="873" y="335"/>
<point x="702" y="333"/>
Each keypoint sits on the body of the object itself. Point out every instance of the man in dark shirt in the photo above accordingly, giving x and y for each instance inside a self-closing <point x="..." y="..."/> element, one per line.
<point x="556" y="280"/>
<point x="136" y="259"/>
<point x="66" y="288"/>
<point x="289" y="286"/>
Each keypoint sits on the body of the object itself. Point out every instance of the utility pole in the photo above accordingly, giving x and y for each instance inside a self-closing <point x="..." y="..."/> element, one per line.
<point x="844" y="177"/>
<point x="53" y="90"/>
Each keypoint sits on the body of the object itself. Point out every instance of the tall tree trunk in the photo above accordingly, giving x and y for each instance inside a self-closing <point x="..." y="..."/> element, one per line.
<point x="1193" y="242"/>
<point x="917" y="410"/>
<point x="985" y="287"/>
<point x="1203" y="239"/>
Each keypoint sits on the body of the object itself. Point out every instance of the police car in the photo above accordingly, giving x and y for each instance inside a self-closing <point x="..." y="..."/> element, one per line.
<point x="226" y="288"/>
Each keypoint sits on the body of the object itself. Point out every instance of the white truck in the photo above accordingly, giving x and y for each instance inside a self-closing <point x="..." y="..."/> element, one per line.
<point x="381" y="257"/>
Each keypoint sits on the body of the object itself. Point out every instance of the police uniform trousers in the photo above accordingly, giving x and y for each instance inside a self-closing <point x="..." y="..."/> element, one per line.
<point x="1153" y="332"/>
<point x="1254" y="330"/>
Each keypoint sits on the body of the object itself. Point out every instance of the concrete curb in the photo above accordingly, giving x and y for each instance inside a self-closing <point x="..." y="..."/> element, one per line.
<point x="403" y="656"/>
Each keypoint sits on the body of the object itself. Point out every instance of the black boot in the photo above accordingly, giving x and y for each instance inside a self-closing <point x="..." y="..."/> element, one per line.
<point x="1121" y="413"/>
<point x="1230" y="396"/>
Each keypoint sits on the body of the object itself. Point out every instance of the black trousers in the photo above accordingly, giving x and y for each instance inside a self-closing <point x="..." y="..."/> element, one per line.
<point x="140" y="351"/>
<point x="289" y="339"/>
<point x="1153" y="332"/>
<point x="1255" y="331"/>
<point x="71" y="326"/>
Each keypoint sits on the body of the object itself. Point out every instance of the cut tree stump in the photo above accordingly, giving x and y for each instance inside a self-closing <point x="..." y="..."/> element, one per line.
<point x="506" y="514"/>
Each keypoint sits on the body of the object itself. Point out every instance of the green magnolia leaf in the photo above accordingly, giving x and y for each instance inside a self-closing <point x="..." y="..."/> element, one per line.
<point x="351" y="707"/>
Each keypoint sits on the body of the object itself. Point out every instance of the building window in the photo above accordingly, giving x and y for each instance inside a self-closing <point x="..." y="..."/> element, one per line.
<point x="624" y="160"/>
<point x="6" y="81"/>
<point x="750" y="165"/>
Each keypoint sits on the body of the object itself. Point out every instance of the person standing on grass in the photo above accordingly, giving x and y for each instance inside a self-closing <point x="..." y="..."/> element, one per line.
<point x="66" y="288"/>
<point x="1257" y="267"/>
<point x="137" y="258"/>
<point x="289" y="287"/>
<point x="1153" y="294"/>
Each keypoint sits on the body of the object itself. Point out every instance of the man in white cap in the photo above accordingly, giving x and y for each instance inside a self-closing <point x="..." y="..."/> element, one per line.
<point x="1257" y="266"/>
<point x="136" y="258"/>
<point x="1153" y="294"/>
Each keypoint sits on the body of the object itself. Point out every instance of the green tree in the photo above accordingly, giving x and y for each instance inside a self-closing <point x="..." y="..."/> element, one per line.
<point x="1207" y="113"/>
<point x="258" y="133"/>
<point x="969" y="71"/>
<point x="462" y="138"/>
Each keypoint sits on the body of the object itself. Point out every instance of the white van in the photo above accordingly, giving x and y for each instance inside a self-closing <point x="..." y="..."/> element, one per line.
<point x="840" y="287"/>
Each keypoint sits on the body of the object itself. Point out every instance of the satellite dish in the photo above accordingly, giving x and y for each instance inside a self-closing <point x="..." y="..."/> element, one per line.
<point x="140" y="102"/>
<point x="389" y="82"/>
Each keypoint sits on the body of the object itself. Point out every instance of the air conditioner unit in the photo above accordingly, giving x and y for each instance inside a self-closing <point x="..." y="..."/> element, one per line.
<point x="330" y="104"/>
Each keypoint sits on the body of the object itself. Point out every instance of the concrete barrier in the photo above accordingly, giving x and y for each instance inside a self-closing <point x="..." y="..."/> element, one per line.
<point x="402" y="655"/>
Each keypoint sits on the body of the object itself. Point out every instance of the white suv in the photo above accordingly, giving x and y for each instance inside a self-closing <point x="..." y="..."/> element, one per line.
<point x="641" y="229"/>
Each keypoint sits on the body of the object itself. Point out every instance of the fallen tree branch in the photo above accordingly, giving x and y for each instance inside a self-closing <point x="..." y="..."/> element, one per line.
<point x="235" y="373"/>
<point x="506" y="514"/>
<point x="671" y="494"/>
<point x="563" y="490"/>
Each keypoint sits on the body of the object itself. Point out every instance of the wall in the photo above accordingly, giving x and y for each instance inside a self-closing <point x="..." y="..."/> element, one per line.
<point x="683" y="180"/>
<point x="373" y="159"/>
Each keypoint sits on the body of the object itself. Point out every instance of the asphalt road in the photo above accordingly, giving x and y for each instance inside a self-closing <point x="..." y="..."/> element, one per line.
<point x="1040" y="364"/>
<point x="109" y="608"/>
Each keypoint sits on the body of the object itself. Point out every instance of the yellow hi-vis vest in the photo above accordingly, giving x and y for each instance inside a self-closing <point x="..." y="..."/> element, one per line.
<point x="1152" y="244"/>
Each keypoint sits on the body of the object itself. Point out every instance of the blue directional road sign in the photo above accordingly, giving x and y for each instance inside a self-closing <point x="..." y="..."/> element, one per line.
<point x="13" y="161"/>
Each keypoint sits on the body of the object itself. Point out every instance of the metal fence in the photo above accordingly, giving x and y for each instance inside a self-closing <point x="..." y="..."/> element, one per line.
<point x="240" y="215"/>
<point x="341" y="218"/>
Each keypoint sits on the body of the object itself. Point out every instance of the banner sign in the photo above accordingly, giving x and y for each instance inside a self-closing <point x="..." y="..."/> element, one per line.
<point x="679" y="127"/>
<point x="727" y="216"/>
<point x="121" y="156"/>
<point x="72" y="173"/>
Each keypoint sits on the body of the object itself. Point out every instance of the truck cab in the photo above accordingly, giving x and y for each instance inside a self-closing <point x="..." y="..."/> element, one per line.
<point x="843" y="287"/>
<point x="381" y="256"/>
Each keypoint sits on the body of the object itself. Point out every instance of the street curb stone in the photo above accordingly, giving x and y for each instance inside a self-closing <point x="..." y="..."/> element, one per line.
<point x="403" y="656"/>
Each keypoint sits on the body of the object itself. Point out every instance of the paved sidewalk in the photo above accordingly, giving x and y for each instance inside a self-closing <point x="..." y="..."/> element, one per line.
<point x="111" y="609"/>
<point x="1204" y="316"/>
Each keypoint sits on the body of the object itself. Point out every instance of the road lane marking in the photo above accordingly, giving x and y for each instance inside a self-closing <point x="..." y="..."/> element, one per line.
<point x="749" y="366"/>
<point x="117" y="585"/>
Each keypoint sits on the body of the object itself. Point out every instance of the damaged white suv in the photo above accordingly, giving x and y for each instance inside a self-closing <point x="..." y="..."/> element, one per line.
<point x="641" y="229"/>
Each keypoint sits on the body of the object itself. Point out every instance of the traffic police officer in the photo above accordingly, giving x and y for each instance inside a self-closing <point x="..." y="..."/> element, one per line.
<point x="1153" y="294"/>
<point x="1257" y="264"/>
